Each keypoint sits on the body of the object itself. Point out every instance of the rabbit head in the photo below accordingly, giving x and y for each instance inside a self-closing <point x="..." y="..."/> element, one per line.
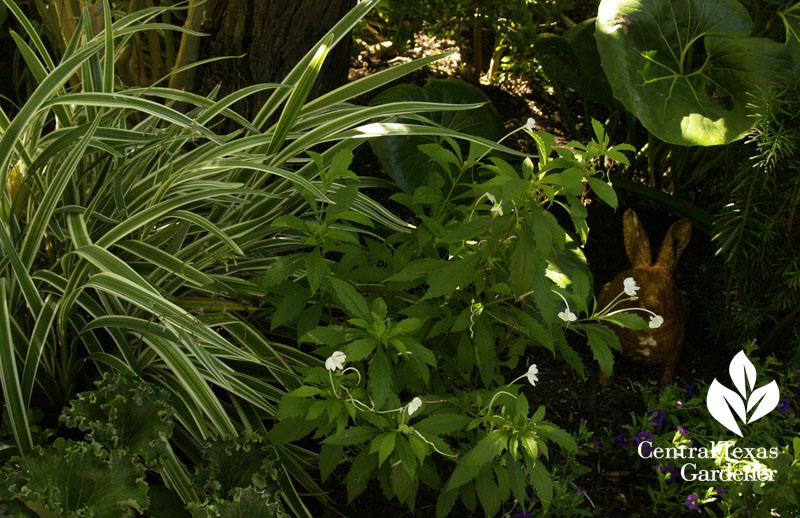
<point x="657" y="293"/>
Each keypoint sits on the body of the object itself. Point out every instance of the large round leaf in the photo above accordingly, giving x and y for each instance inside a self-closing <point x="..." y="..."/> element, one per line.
<point x="687" y="68"/>
<point x="401" y="157"/>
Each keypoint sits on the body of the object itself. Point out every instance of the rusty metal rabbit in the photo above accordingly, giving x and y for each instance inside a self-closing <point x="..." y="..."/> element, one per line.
<point x="660" y="343"/>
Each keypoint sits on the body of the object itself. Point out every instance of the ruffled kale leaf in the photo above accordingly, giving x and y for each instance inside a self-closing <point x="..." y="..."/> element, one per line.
<point x="238" y="478"/>
<point x="74" y="479"/>
<point x="243" y="503"/>
<point x="124" y="413"/>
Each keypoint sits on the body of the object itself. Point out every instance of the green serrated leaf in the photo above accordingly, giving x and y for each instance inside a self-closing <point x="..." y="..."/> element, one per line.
<point x="601" y="340"/>
<point x="316" y="270"/>
<point x="352" y="300"/>
<point x="380" y="378"/>
<point x="352" y="436"/>
<point x="457" y="274"/>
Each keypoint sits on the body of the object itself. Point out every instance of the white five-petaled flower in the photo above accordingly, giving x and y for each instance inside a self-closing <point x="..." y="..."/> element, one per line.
<point x="532" y="372"/>
<point x="568" y="316"/>
<point x="336" y="361"/>
<point x="530" y="123"/>
<point x="414" y="405"/>
<point x="656" y="321"/>
<point x="629" y="287"/>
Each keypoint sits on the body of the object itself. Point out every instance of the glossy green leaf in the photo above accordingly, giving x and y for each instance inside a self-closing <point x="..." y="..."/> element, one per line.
<point x="687" y="69"/>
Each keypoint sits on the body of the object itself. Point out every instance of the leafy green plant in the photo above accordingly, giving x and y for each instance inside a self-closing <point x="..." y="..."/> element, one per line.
<point x="419" y="319"/>
<point x="136" y="237"/>
<point x="692" y="84"/>
<point x="756" y="229"/>
<point x="124" y="413"/>
<point x="72" y="479"/>
<point x="128" y="423"/>
<point x="237" y="478"/>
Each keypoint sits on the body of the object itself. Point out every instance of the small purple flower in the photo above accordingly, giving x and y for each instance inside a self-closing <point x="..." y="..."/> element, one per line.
<point x="785" y="405"/>
<point x="623" y="440"/>
<point x="721" y="490"/>
<point x="596" y="444"/>
<point x="580" y="490"/>
<point x="670" y="474"/>
<point x="689" y="392"/>
<point x="656" y="417"/>
<point x="523" y="515"/>
<point x="584" y="422"/>
<point x="679" y="404"/>
<point x="643" y="437"/>
<point x="683" y="431"/>
<point x="691" y="502"/>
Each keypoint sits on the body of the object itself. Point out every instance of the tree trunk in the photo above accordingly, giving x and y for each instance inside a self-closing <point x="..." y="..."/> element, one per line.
<point x="273" y="35"/>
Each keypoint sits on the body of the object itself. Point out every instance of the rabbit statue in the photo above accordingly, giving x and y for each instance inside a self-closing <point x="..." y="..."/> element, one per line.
<point x="657" y="292"/>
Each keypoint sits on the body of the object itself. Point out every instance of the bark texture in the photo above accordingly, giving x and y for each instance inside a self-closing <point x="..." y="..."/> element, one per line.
<point x="274" y="35"/>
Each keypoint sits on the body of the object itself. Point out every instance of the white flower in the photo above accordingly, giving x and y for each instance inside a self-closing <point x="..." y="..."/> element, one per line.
<point x="530" y="123"/>
<point x="629" y="287"/>
<point x="336" y="361"/>
<point x="414" y="405"/>
<point x="656" y="321"/>
<point x="568" y="316"/>
<point x="497" y="209"/>
<point x="532" y="372"/>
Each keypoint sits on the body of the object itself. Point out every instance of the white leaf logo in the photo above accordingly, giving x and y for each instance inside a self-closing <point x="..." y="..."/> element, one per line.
<point x="723" y="402"/>
<point x="742" y="369"/>
<point x="764" y="400"/>
<point x="720" y="400"/>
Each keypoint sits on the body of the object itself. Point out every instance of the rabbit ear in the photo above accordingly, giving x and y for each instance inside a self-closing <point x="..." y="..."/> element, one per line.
<point x="637" y="245"/>
<point x="675" y="241"/>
